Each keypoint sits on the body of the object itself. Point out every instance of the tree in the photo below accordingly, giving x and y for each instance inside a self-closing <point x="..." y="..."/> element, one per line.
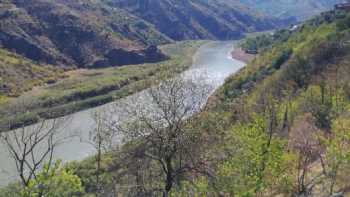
<point x="257" y="160"/>
<point x="159" y="127"/>
<point x="30" y="147"/>
<point x="304" y="143"/>
<point x="53" y="181"/>
<point x="337" y="153"/>
<point x="102" y="140"/>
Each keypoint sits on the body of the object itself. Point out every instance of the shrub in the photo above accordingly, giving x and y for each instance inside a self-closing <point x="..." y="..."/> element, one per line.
<point x="282" y="58"/>
<point x="54" y="182"/>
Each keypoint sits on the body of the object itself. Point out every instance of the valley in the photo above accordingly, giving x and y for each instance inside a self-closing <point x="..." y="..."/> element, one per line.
<point x="174" y="98"/>
<point x="211" y="64"/>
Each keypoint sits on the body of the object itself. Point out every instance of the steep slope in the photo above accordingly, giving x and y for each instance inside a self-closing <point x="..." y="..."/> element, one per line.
<point x="303" y="102"/>
<point x="198" y="19"/>
<point x="84" y="33"/>
<point x="18" y="74"/>
<point x="299" y="9"/>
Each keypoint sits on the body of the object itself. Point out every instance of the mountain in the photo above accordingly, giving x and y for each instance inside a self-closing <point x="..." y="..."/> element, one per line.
<point x="299" y="9"/>
<point x="100" y="33"/>
<point x="82" y="33"/>
<point x="198" y="19"/>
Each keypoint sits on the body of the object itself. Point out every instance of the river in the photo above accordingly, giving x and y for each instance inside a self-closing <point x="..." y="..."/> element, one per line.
<point x="213" y="60"/>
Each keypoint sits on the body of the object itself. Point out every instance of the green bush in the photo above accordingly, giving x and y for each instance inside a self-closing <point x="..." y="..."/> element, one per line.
<point x="51" y="182"/>
<point x="284" y="56"/>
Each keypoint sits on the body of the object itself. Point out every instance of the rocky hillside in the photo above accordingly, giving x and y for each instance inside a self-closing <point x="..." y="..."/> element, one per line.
<point x="198" y="19"/>
<point x="298" y="9"/>
<point x="81" y="33"/>
<point x="100" y="33"/>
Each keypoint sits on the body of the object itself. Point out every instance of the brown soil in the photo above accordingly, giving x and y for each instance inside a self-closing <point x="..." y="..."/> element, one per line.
<point x="240" y="55"/>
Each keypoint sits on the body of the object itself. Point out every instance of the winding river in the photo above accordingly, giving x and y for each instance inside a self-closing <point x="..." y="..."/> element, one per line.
<point x="212" y="60"/>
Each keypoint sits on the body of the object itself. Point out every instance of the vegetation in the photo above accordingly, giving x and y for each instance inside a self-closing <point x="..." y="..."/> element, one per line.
<point x="280" y="127"/>
<point x="83" y="89"/>
<point x="261" y="42"/>
<point x="19" y="74"/>
<point x="303" y="81"/>
<point x="54" y="182"/>
<point x="163" y="138"/>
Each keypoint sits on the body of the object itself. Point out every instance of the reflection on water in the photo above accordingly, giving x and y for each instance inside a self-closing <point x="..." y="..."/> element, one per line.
<point x="212" y="64"/>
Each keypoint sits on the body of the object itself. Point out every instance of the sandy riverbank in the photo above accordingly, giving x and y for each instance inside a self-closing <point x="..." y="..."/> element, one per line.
<point x="240" y="55"/>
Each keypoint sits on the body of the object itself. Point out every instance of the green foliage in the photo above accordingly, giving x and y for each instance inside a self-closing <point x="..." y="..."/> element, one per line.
<point x="320" y="106"/>
<point x="263" y="42"/>
<point x="86" y="170"/>
<point x="323" y="103"/>
<point x="337" y="153"/>
<point x="199" y="188"/>
<point x="298" y="70"/>
<point x="284" y="56"/>
<point x="54" y="182"/>
<point x="11" y="190"/>
<point x="307" y="73"/>
<point x="256" y="164"/>
<point x="255" y="44"/>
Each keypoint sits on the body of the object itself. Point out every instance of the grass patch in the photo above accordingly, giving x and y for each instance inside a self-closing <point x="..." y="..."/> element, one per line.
<point x="84" y="89"/>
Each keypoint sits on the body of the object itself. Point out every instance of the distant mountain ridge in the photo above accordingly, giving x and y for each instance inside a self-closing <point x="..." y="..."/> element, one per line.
<point x="100" y="33"/>
<point x="198" y="19"/>
<point x="298" y="9"/>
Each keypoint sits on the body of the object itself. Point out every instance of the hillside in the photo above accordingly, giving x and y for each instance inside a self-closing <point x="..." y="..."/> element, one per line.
<point x="286" y="116"/>
<point x="77" y="33"/>
<point x="18" y="74"/>
<point x="193" y="19"/>
<point x="280" y="127"/>
<point x="299" y="9"/>
<point x="118" y="32"/>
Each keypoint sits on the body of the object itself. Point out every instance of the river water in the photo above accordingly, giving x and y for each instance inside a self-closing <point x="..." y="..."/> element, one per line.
<point x="212" y="61"/>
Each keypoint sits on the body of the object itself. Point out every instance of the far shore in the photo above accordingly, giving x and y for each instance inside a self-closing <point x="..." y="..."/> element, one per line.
<point x="241" y="55"/>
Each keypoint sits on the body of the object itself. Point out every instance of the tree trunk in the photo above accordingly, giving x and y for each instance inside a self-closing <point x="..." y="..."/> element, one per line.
<point x="169" y="178"/>
<point x="98" y="169"/>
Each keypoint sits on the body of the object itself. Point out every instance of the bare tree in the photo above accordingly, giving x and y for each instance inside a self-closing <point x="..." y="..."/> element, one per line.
<point x="102" y="140"/>
<point x="158" y="123"/>
<point x="308" y="150"/>
<point x="30" y="147"/>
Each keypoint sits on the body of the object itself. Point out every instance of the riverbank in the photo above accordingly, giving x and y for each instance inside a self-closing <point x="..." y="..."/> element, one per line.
<point x="241" y="55"/>
<point x="84" y="89"/>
